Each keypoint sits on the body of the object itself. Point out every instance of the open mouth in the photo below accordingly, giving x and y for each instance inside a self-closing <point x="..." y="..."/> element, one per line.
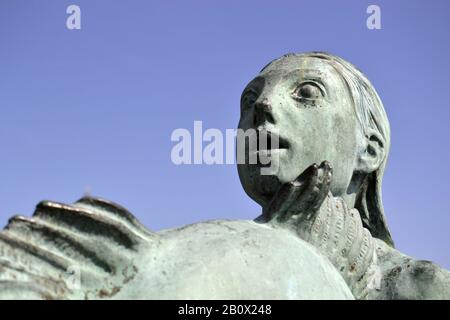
<point x="269" y="141"/>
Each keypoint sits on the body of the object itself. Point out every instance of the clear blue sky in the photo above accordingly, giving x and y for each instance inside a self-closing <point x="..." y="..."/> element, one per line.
<point x="93" y="109"/>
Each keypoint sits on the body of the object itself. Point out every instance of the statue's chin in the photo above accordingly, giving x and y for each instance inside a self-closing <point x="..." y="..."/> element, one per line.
<point x="261" y="188"/>
<point x="266" y="187"/>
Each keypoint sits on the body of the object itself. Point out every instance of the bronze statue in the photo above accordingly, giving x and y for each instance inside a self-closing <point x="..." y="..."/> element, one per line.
<point x="322" y="233"/>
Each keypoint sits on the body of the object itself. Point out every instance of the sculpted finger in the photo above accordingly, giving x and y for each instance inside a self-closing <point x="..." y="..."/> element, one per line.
<point x="285" y="198"/>
<point x="303" y="185"/>
<point x="312" y="198"/>
<point x="281" y="201"/>
<point x="323" y="185"/>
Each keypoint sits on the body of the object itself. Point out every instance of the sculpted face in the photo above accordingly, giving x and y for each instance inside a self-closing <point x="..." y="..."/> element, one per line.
<point x="305" y="101"/>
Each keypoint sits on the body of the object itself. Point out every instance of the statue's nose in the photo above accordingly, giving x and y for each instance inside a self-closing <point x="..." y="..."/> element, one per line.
<point x="262" y="112"/>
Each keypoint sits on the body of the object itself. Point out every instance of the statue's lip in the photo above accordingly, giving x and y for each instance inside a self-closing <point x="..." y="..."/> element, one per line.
<point x="282" y="143"/>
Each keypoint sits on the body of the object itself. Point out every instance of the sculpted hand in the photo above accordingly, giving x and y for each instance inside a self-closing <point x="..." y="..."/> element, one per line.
<point x="307" y="207"/>
<point x="301" y="198"/>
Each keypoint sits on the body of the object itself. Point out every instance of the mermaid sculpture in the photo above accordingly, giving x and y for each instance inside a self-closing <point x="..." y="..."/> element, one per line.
<point x="322" y="233"/>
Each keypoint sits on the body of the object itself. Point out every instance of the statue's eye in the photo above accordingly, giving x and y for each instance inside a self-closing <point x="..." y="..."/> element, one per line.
<point x="307" y="91"/>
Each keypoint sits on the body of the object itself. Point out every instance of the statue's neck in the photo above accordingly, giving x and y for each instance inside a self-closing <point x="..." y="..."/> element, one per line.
<point x="351" y="195"/>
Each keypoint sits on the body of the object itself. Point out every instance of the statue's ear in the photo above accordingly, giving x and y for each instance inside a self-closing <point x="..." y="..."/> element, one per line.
<point x="373" y="152"/>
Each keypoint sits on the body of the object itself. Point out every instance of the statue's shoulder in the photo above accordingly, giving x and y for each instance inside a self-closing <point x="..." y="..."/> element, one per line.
<point x="80" y="250"/>
<point x="408" y="278"/>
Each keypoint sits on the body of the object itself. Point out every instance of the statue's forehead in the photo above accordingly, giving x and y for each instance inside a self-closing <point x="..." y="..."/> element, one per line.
<point x="298" y="64"/>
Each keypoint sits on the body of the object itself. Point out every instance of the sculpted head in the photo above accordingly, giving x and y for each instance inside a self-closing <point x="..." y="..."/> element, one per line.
<point x="322" y="108"/>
